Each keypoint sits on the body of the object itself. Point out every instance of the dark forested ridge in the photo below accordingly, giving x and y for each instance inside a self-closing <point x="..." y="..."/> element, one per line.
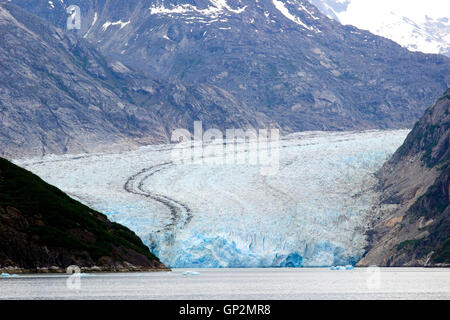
<point x="42" y="229"/>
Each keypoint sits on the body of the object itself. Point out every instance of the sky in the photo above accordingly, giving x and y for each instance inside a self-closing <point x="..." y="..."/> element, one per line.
<point x="413" y="9"/>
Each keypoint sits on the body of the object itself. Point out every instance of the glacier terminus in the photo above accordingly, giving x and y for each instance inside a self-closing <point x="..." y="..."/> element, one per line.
<point x="311" y="213"/>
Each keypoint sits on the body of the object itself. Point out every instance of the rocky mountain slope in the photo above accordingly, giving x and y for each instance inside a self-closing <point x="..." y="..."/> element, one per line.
<point x="59" y="95"/>
<point x="412" y="222"/>
<point x="246" y="63"/>
<point x="416" y="25"/>
<point x="44" y="230"/>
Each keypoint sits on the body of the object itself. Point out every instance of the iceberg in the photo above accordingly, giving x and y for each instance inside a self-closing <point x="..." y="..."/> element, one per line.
<point x="347" y="267"/>
<point x="191" y="273"/>
<point x="311" y="213"/>
<point x="83" y="275"/>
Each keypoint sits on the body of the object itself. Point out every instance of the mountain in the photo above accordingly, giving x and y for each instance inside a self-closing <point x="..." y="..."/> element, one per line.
<point x="58" y="94"/>
<point x="416" y="25"/>
<point x="43" y="229"/>
<point x="266" y="63"/>
<point x="412" y="222"/>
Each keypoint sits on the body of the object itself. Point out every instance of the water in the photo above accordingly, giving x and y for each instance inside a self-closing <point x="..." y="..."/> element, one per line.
<point x="227" y="284"/>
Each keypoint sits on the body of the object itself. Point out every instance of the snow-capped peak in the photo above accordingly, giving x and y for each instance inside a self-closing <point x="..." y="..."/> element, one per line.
<point x="215" y="9"/>
<point x="282" y="8"/>
<point x="414" y="24"/>
<point x="212" y="9"/>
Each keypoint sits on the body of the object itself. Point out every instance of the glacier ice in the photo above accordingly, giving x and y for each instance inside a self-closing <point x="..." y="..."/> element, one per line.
<point x="313" y="212"/>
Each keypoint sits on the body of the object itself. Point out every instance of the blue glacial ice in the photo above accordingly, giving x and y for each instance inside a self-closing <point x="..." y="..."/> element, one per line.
<point x="312" y="212"/>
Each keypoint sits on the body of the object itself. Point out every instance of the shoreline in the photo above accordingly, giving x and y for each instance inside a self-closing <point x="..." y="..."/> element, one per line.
<point x="55" y="270"/>
<point x="95" y="269"/>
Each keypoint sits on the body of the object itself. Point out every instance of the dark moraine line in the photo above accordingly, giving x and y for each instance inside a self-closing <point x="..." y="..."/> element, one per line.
<point x="180" y="214"/>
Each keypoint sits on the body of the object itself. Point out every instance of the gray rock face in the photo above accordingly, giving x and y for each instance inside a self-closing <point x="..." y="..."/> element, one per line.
<point x="59" y="95"/>
<point x="284" y="59"/>
<point x="412" y="221"/>
<point x="235" y="64"/>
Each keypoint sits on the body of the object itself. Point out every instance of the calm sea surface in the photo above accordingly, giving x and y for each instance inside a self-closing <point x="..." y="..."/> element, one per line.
<point x="226" y="284"/>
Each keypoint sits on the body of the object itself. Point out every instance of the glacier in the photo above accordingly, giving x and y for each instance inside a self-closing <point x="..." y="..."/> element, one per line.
<point x="312" y="212"/>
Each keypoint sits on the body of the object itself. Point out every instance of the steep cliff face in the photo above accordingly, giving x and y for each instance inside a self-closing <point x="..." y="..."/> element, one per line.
<point x="44" y="230"/>
<point x="412" y="222"/>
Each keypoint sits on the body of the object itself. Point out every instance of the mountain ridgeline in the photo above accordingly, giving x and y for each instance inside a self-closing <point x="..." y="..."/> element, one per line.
<point x="44" y="230"/>
<point x="412" y="221"/>
<point x="138" y="69"/>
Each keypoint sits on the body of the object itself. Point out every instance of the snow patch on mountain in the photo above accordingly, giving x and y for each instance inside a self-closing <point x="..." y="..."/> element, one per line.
<point x="216" y="9"/>
<point x="92" y="25"/>
<point x="120" y="23"/>
<point x="282" y="8"/>
<point x="415" y="24"/>
<point x="312" y="14"/>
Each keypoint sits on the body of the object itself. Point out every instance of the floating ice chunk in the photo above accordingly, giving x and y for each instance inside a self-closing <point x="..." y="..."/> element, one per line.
<point x="347" y="267"/>
<point x="191" y="273"/>
<point x="335" y="268"/>
<point x="86" y="275"/>
<point x="5" y="275"/>
<point x="338" y="268"/>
